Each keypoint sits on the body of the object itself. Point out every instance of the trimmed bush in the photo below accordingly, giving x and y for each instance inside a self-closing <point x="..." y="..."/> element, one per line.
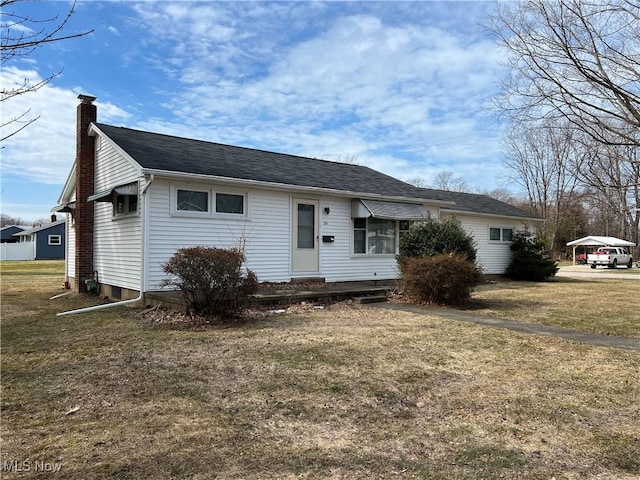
<point x="432" y="237"/>
<point x="445" y="279"/>
<point x="530" y="260"/>
<point x="211" y="280"/>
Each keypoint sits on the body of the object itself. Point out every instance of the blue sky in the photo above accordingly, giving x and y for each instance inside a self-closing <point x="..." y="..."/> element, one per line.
<point x="402" y="87"/>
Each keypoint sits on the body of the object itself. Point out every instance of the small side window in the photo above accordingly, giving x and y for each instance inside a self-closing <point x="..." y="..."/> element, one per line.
<point x="494" y="234"/>
<point x="55" y="239"/>
<point x="507" y="234"/>
<point x="125" y="204"/>
<point x="359" y="235"/>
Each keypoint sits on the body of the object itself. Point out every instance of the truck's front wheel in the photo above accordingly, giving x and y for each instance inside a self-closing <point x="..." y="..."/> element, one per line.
<point x="630" y="264"/>
<point x="593" y="265"/>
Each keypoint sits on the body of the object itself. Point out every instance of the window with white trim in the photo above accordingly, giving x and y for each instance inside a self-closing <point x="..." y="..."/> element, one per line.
<point x="187" y="200"/>
<point x="359" y="235"/>
<point x="192" y="200"/>
<point x="375" y="236"/>
<point x="500" y="234"/>
<point x="230" y="203"/>
<point x="55" y="239"/>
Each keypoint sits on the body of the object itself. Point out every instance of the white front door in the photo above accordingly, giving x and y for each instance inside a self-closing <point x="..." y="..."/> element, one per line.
<point x="305" y="236"/>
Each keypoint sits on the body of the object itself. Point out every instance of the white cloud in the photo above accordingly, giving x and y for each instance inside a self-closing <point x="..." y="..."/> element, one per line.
<point x="361" y="84"/>
<point x="45" y="150"/>
<point x="382" y="82"/>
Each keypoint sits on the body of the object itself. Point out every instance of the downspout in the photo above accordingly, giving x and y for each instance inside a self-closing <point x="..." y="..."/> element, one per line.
<point x="143" y="275"/>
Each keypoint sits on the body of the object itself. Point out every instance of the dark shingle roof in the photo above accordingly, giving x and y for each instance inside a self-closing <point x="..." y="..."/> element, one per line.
<point x="476" y="203"/>
<point x="175" y="154"/>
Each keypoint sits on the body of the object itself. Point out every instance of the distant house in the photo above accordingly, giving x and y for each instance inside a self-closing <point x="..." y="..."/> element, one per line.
<point x="135" y="197"/>
<point x="48" y="240"/>
<point x="7" y="233"/>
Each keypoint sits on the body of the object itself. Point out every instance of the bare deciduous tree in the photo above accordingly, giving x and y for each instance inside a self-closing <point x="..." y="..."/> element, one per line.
<point x="417" y="181"/>
<point x="447" y="180"/>
<point x="543" y="160"/>
<point x="574" y="59"/>
<point x="611" y="174"/>
<point x="6" y="220"/>
<point x="20" y="35"/>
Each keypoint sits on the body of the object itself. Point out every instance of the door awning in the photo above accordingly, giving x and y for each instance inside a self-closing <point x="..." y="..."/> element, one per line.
<point x="65" y="207"/>
<point x="388" y="210"/>
<point x="107" y="195"/>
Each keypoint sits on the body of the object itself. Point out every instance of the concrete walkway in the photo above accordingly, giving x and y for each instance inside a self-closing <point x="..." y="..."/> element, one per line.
<point x="537" y="329"/>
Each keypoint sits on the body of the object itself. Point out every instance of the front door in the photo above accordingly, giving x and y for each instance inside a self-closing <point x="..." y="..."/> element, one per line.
<point x="305" y="236"/>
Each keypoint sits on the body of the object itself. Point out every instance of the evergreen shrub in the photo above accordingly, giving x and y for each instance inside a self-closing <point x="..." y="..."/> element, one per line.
<point x="431" y="237"/>
<point x="530" y="260"/>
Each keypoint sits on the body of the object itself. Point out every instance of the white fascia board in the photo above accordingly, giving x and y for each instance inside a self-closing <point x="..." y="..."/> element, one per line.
<point x="167" y="174"/>
<point x="69" y="186"/>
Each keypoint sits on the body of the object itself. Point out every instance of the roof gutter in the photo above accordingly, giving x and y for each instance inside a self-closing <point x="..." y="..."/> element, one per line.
<point x="284" y="186"/>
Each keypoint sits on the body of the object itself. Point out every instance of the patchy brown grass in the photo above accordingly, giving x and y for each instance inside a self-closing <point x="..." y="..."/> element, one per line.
<point x="606" y="306"/>
<point x="345" y="393"/>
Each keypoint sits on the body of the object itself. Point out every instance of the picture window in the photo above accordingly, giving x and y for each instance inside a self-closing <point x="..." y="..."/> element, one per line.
<point x="192" y="201"/>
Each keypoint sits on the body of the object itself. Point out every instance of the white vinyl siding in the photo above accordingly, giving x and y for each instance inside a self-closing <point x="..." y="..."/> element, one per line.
<point x="337" y="261"/>
<point x="264" y="230"/>
<point x="493" y="256"/>
<point x="70" y="246"/>
<point x="112" y="169"/>
<point x="265" y="233"/>
<point x="117" y="240"/>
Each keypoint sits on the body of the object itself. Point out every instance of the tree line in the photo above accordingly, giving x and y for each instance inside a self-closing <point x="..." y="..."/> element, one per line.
<point x="572" y="103"/>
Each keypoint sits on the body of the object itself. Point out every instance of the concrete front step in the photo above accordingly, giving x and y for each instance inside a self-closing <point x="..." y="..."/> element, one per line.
<point x="370" y="299"/>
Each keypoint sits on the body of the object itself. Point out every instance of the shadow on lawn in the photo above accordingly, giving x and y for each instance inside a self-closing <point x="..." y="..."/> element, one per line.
<point x="499" y="304"/>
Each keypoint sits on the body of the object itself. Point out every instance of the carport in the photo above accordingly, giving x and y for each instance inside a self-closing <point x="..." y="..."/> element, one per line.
<point x="595" y="241"/>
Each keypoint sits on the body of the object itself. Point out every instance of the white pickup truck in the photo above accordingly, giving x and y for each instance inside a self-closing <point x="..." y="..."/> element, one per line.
<point x="610" y="257"/>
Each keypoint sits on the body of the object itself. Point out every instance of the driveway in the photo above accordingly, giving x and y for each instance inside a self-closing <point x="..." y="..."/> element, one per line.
<point x="602" y="273"/>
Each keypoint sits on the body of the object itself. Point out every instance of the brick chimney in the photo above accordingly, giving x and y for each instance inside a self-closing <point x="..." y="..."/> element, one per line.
<point x="85" y="169"/>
